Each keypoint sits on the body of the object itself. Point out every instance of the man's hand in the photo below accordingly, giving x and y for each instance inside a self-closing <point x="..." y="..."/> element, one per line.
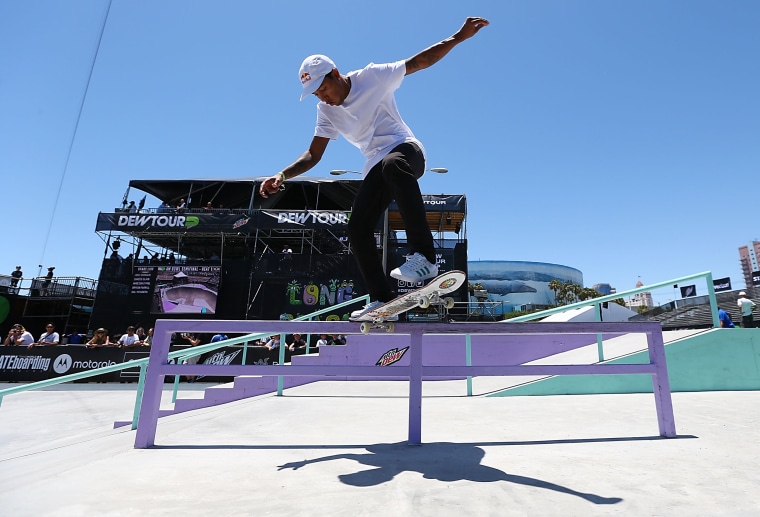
<point x="471" y="27"/>
<point x="271" y="185"/>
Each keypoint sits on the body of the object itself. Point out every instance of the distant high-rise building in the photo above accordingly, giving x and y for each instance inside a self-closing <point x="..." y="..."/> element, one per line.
<point x="748" y="257"/>
<point x="640" y="299"/>
<point x="604" y="289"/>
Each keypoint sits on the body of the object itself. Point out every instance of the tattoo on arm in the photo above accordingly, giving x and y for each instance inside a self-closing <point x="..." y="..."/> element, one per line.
<point x="429" y="56"/>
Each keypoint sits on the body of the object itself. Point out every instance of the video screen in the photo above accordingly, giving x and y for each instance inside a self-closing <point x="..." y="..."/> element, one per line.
<point x="179" y="289"/>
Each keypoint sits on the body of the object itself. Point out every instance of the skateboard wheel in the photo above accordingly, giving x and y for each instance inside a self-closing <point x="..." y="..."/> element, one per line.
<point x="424" y="302"/>
<point x="364" y="327"/>
<point x="448" y="302"/>
<point x="390" y="327"/>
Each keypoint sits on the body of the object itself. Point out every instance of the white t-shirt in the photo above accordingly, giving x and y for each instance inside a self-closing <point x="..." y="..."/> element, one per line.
<point x="127" y="340"/>
<point x="50" y="338"/>
<point x="368" y="117"/>
<point x="745" y="306"/>
<point x="24" y="339"/>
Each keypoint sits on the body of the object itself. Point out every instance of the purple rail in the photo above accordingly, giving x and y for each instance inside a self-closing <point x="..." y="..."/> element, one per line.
<point x="413" y="333"/>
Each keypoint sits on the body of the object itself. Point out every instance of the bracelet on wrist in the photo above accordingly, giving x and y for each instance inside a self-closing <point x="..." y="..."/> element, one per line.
<point x="282" y="176"/>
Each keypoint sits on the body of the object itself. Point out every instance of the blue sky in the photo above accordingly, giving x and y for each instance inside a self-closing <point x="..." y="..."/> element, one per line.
<point x="620" y="138"/>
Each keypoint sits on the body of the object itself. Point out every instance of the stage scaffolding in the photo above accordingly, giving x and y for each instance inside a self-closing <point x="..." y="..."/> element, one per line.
<point x="309" y="216"/>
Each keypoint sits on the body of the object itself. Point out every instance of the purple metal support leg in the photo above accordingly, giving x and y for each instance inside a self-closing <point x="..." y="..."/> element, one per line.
<point x="661" y="385"/>
<point x="146" y="429"/>
<point x="415" y="388"/>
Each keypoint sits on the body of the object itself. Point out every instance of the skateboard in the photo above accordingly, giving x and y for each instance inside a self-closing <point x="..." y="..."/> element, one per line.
<point x="424" y="297"/>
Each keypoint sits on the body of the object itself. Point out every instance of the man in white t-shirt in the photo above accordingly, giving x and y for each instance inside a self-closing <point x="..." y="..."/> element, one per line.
<point x="746" y="306"/>
<point x="130" y="339"/>
<point x="48" y="338"/>
<point x="361" y="107"/>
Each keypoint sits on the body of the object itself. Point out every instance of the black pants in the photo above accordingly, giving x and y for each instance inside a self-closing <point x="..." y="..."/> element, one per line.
<point x="394" y="178"/>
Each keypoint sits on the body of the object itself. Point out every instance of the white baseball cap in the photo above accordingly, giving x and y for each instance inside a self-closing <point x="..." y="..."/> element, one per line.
<point x="313" y="70"/>
<point x="742" y="293"/>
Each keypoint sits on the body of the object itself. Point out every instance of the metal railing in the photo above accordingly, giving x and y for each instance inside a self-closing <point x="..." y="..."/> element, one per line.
<point x="597" y="303"/>
<point x="58" y="286"/>
<point x="179" y="356"/>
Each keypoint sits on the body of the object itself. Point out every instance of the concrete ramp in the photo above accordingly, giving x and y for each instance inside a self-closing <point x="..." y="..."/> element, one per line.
<point x="712" y="360"/>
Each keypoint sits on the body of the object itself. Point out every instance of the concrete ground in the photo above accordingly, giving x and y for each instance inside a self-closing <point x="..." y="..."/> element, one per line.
<point x="339" y="449"/>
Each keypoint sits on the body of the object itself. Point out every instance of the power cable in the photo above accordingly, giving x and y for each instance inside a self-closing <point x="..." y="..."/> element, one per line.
<point x="74" y="134"/>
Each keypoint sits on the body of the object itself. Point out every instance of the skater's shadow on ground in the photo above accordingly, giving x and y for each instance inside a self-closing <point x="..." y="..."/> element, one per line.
<point x="442" y="461"/>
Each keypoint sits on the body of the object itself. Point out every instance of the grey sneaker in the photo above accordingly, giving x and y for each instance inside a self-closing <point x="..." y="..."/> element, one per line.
<point x="371" y="306"/>
<point x="415" y="268"/>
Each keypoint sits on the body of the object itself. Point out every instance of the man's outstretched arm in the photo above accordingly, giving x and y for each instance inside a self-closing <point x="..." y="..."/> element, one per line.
<point x="306" y="161"/>
<point x="434" y="53"/>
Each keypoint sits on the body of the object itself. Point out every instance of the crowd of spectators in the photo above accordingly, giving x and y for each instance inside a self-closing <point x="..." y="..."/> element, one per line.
<point x="181" y="207"/>
<point x="137" y="336"/>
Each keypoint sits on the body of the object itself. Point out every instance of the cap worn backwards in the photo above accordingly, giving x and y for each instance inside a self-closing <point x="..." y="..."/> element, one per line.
<point x="313" y="70"/>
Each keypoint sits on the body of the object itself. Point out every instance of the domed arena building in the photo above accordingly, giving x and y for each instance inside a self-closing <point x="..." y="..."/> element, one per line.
<point x="513" y="285"/>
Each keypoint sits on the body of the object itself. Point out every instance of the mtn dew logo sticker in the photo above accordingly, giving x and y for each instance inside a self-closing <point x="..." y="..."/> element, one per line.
<point x="393" y="355"/>
<point x="447" y="283"/>
<point x="240" y="222"/>
<point x="191" y="220"/>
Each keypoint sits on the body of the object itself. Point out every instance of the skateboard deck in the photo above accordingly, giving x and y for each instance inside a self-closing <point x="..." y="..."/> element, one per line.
<point x="430" y="294"/>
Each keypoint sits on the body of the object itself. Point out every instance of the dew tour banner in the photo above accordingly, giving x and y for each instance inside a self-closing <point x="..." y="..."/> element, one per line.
<point x="440" y="203"/>
<point x="221" y="223"/>
<point x="722" y="284"/>
<point x="177" y="289"/>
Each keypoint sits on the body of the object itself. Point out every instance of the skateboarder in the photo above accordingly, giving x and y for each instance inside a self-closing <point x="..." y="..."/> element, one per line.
<point x="361" y="106"/>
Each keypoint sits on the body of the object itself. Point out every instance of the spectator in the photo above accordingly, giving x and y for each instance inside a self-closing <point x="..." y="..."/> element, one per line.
<point x="48" y="338"/>
<point x="273" y="343"/>
<point x="163" y="208"/>
<point x="208" y="208"/>
<point x="746" y="306"/>
<point x="19" y="336"/>
<point x="297" y="344"/>
<point x="181" y="206"/>
<point x="16" y="277"/>
<point x="219" y="337"/>
<point x="340" y="340"/>
<point x="324" y="340"/>
<point x="140" y="332"/>
<point x="286" y="262"/>
<point x="132" y="208"/>
<point x="48" y="280"/>
<point x="148" y="338"/>
<point x="193" y="340"/>
<point x="75" y="338"/>
<point x="99" y="339"/>
<point x="130" y="339"/>
<point x="725" y="319"/>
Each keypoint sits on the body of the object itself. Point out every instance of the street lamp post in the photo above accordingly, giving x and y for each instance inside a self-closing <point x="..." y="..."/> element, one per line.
<point x="340" y="172"/>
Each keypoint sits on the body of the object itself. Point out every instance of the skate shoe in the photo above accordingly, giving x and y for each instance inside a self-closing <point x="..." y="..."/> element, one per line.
<point x="369" y="307"/>
<point x="415" y="269"/>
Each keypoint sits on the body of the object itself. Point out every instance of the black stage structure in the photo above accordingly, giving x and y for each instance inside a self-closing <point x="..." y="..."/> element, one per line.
<point x="226" y="260"/>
